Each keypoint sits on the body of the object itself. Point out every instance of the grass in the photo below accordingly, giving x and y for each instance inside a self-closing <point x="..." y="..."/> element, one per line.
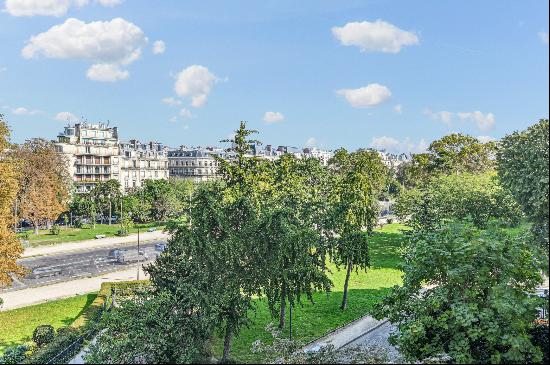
<point x="17" y="325"/>
<point x="67" y="234"/>
<point x="311" y="321"/>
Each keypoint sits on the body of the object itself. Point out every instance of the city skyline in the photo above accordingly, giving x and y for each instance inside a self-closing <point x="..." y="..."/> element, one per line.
<point x="358" y="74"/>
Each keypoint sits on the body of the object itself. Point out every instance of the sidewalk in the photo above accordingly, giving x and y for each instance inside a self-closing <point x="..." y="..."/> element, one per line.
<point x="347" y="334"/>
<point x="92" y="244"/>
<point x="41" y="294"/>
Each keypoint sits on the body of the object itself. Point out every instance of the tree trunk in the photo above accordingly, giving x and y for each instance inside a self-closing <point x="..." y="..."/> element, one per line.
<point x="227" y="343"/>
<point x="282" y="314"/>
<point x="35" y="225"/>
<point x="48" y="224"/>
<point x="345" y="298"/>
<point x="110" y="213"/>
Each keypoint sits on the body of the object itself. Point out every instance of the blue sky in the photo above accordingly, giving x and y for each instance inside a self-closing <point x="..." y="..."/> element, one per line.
<point x="385" y="74"/>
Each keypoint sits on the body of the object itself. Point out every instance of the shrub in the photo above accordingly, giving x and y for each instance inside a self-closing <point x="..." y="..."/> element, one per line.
<point x="55" y="230"/>
<point x="539" y="338"/>
<point x="64" y="346"/>
<point x="43" y="335"/>
<point x="121" y="232"/>
<point x="14" y="355"/>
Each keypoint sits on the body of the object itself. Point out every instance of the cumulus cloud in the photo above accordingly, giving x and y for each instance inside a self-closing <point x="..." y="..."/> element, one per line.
<point x="49" y="7"/>
<point x="195" y="82"/>
<point x="110" y="44"/>
<point x="185" y="113"/>
<point x="393" y="145"/>
<point x="377" y="36"/>
<point x="543" y="36"/>
<point x="398" y="109"/>
<point x="441" y="116"/>
<point x="159" y="47"/>
<point x="24" y="111"/>
<point x="171" y="101"/>
<point x="65" y="117"/>
<point x="311" y="142"/>
<point x="273" y="117"/>
<point x="486" y="139"/>
<point x="368" y="96"/>
<point x="483" y="121"/>
<point x="106" y="72"/>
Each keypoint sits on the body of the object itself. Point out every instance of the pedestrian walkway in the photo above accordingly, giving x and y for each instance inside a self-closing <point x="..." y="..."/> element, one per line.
<point x="41" y="294"/>
<point x="347" y="334"/>
<point x="92" y="244"/>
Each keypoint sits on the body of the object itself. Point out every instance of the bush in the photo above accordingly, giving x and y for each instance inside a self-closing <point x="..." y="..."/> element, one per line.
<point x="14" y="355"/>
<point x="64" y="346"/>
<point x="55" y="230"/>
<point x="43" y="335"/>
<point x="25" y="236"/>
<point x="539" y="338"/>
<point x="122" y="233"/>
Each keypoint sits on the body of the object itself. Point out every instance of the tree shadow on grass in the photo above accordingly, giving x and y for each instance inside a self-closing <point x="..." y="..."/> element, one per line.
<point x="386" y="250"/>
<point x="89" y="300"/>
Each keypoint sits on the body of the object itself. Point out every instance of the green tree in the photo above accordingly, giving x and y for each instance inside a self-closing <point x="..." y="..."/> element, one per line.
<point x="106" y="196"/>
<point x="160" y="328"/>
<point x="161" y="198"/>
<point x="359" y="179"/>
<point x="477" y="197"/>
<point x="523" y="170"/>
<point x="467" y="294"/>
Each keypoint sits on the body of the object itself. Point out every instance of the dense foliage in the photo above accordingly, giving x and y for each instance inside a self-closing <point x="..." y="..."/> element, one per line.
<point x="43" y="335"/>
<point x="476" y="197"/>
<point x="10" y="248"/>
<point x="523" y="169"/>
<point x="466" y="294"/>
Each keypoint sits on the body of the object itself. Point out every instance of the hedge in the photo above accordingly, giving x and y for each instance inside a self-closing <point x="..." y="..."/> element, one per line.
<point x="69" y="340"/>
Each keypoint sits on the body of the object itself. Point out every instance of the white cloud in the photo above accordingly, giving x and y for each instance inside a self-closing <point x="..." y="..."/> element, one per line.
<point x="441" y="116"/>
<point x="398" y="109"/>
<point x="108" y="44"/>
<point x="273" y="117"/>
<point x="159" y="47"/>
<point x="65" y="117"/>
<point x="24" y="111"/>
<point x="311" y="142"/>
<point x="543" y="36"/>
<point x="171" y="101"/>
<point x="393" y="145"/>
<point x="195" y="82"/>
<point x="378" y="36"/>
<point x="49" y="7"/>
<point x="483" y="121"/>
<point x="370" y="95"/>
<point x="185" y="113"/>
<point x="173" y="119"/>
<point x="106" y="72"/>
<point x="486" y="139"/>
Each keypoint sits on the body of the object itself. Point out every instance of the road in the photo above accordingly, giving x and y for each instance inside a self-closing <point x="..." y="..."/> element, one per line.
<point x="378" y="338"/>
<point x="68" y="266"/>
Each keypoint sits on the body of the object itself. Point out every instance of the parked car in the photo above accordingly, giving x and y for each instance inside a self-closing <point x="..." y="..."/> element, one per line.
<point x="160" y="247"/>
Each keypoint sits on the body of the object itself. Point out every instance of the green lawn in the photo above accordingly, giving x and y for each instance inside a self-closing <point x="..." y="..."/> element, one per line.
<point x="17" y="325"/>
<point x="44" y="237"/>
<point x="311" y="321"/>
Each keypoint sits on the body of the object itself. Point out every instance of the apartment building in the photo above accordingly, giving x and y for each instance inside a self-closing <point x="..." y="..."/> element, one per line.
<point x="92" y="153"/>
<point x="142" y="161"/>
<point x="95" y="154"/>
<point x="195" y="163"/>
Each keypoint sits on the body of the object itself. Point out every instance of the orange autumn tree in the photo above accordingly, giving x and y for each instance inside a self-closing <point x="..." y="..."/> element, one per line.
<point x="10" y="247"/>
<point x="44" y="184"/>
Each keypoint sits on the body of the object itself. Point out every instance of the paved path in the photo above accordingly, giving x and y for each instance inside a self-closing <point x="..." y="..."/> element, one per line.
<point x="92" y="244"/>
<point x="29" y="296"/>
<point x="347" y="334"/>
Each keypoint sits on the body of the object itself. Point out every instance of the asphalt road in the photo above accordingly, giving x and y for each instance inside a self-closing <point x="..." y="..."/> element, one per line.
<point x="76" y="265"/>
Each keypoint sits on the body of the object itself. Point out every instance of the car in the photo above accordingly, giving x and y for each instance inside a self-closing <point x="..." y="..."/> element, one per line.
<point x="45" y="271"/>
<point x="160" y="247"/>
<point x="127" y="256"/>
